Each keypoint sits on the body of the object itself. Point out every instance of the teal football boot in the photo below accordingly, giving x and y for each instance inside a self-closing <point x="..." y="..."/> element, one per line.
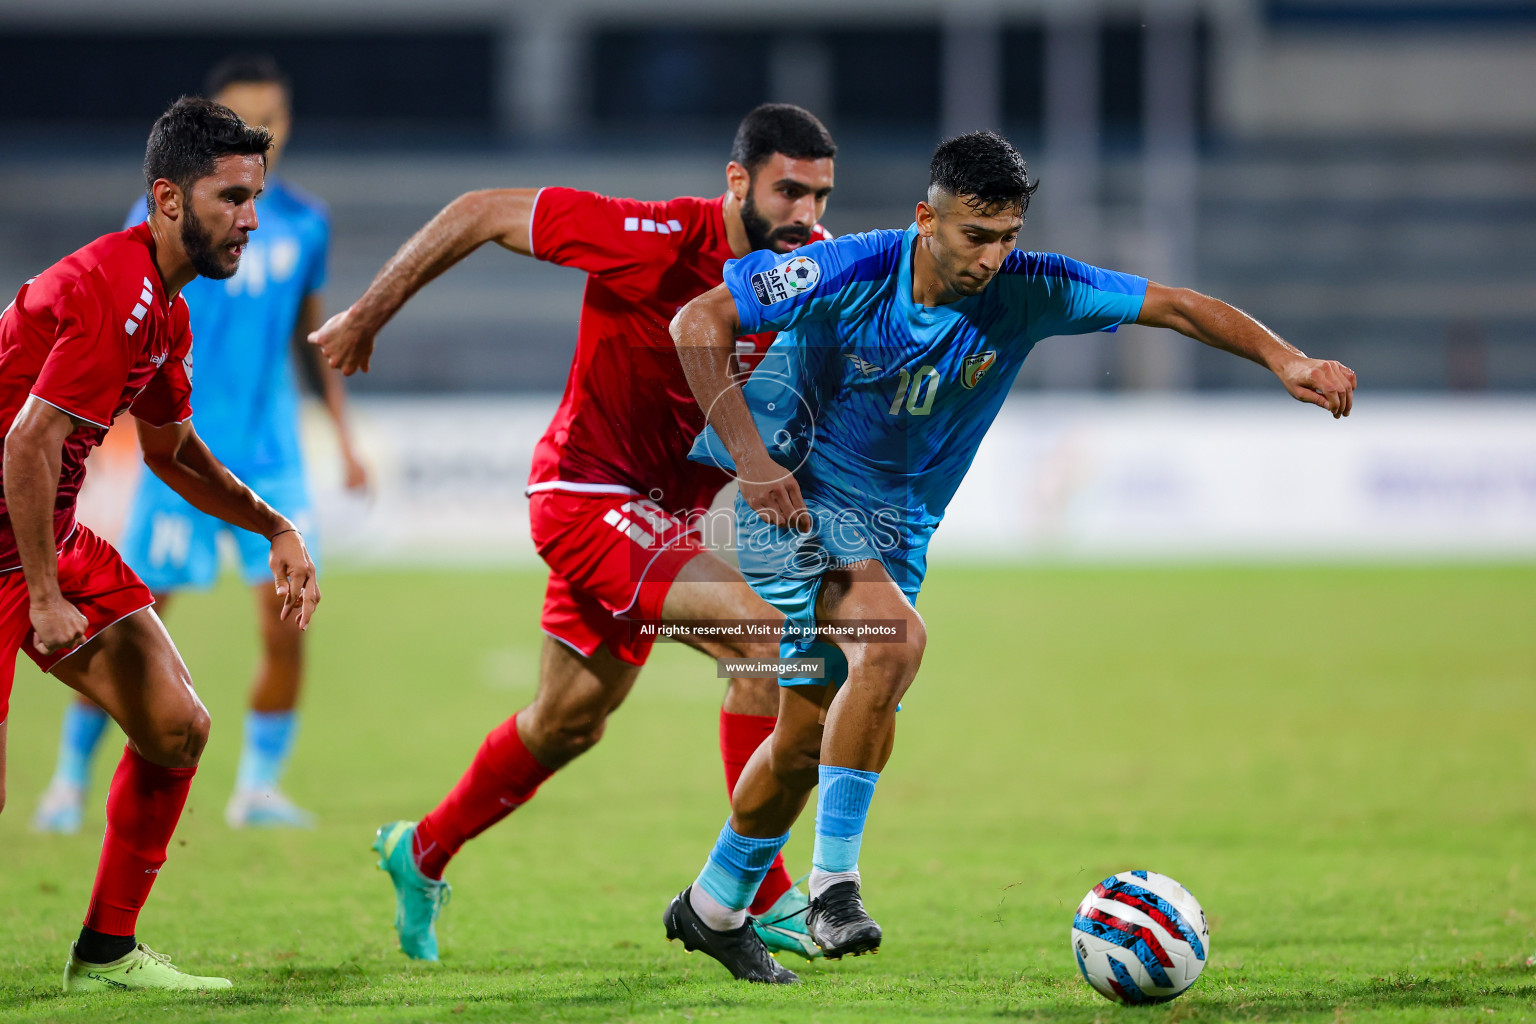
<point x="418" y="899"/>
<point x="783" y="928"/>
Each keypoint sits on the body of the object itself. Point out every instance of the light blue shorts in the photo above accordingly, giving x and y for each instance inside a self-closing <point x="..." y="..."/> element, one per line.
<point x="173" y="546"/>
<point x="786" y="567"/>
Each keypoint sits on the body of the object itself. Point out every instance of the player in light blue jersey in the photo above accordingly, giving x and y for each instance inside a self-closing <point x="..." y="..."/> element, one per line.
<point x="244" y="330"/>
<point x="897" y="348"/>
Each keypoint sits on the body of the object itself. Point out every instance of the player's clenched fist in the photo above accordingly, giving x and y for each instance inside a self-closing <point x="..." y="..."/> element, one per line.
<point x="347" y="346"/>
<point x="778" y="501"/>
<point x="1324" y="382"/>
<point x="57" y="626"/>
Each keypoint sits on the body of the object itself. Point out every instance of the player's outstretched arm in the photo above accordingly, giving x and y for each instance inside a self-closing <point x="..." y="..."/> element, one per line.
<point x="1322" y="382"/>
<point x="464" y="225"/>
<point x="34" y="449"/>
<point x="705" y="333"/>
<point x="179" y="457"/>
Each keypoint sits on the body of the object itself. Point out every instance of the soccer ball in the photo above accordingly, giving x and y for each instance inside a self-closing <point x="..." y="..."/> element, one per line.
<point x="1140" y="937"/>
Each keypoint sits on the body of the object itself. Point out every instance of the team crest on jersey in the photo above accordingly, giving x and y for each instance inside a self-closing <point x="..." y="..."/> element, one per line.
<point x="975" y="367"/>
<point x="786" y="281"/>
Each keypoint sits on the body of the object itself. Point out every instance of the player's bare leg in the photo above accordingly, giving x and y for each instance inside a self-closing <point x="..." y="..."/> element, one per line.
<point x="708" y="588"/>
<point x="576" y="694"/>
<point x="856" y="744"/>
<point x="61" y="807"/>
<point x="133" y="671"/>
<point x="270" y="723"/>
<point x="841" y="751"/>
<point x="861" y="719"/>
<point x="781" y="775"/>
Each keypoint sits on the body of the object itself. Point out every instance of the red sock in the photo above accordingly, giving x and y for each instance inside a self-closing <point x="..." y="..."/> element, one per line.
<point x="143" y="806"/>
<point x="740" y="736"/>
<point x="502" y="777"/>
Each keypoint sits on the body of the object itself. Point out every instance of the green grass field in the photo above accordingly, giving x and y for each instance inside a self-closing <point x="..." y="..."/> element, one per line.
<point x="1340" y="763"/>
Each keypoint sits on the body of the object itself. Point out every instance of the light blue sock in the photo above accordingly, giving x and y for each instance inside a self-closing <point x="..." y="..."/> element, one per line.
<point x="83" y="726"/>
<point x="736" y="867"/>
<point x="842" y="804"/>
<point x="268" y="739"/>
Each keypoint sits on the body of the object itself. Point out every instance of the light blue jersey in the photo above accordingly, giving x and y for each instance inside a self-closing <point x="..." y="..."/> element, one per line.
<point x="247" y="395"/>
<point x="878" y="403"/>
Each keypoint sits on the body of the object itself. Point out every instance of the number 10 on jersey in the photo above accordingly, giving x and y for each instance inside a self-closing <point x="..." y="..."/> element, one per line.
<point x="916" y="390"/>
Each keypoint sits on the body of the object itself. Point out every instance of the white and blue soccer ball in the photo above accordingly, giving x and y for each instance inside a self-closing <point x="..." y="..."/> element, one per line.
<point x="1140" y="937"/>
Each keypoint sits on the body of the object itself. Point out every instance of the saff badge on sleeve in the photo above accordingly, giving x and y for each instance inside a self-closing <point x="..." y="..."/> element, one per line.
<point x="789" y="280"/>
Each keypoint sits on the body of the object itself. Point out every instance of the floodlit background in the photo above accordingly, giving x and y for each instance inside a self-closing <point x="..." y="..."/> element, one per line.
<point x="1360" y="174"/>
<point x="1336" y="758"/>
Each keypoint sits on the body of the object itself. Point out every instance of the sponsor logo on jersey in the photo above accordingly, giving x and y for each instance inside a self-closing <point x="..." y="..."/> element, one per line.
<point x="975" y="367"/>
<point x="787" y="280"/>
<point x="146" y="297"/>
<point x="864" y="366"/>
<point x="658" y="227"/>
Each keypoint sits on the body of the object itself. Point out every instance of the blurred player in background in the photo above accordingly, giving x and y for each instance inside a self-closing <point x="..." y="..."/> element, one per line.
<point x="898" y="349"/>
<point x="246" y="328"/>
<point x="614" y="497"/>
<point x="102" y="332"/>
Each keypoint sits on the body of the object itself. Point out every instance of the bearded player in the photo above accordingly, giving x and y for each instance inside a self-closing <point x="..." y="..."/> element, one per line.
<point x="102" y="332"/>
<point x="612" y="492"/>
<point x="248" y="416"/>
<point x="898" y="348"/>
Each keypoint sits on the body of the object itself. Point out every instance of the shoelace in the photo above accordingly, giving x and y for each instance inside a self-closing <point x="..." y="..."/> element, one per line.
<point x="843" y="907"/>
<point x="805" y="910"/>
<point x="149" y="954"/>
<point x="440" y="894"/>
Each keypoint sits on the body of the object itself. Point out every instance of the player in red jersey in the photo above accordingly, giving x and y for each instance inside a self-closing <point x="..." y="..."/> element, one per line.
<point x="102" y="332"/>
<point x="613" y="492"/>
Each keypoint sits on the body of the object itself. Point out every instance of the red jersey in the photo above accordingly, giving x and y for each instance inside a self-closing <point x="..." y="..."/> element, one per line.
<point x="93" y="335"/>
<point x="628" y="418"/>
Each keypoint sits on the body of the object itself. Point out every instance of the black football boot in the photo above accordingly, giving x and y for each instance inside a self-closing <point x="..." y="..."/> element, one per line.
<point x="839" y="923"/>
<point x="739" y="950"/>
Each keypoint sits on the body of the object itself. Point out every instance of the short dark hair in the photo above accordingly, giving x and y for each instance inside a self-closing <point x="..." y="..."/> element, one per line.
<point x="984" y="170"/>
<point x="190" y="136"/>
<point x="258" y="68"/>
<point x="780" y="128"/>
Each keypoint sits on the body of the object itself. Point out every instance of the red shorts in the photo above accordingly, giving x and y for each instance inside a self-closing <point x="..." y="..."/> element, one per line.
<point x="92" y="577"/>
<point x="612" y="558"/>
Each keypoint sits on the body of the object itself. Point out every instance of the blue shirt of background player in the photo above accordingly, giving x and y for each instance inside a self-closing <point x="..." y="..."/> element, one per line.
<point x="879" y="403"/>
<point x="242" y="331"/>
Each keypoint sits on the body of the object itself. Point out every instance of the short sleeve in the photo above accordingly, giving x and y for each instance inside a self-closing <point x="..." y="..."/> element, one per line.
<point x="774" y="292"/>
<point x="1069" y="297"/>
<point x="316" y="272"/>
<point x="600" y="234"/>
<point x="87" y="368"/>
<point x="167" y="398"/>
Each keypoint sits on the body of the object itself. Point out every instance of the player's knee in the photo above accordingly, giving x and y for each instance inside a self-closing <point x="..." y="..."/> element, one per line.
<point x="753" y="696"/>
<point x="573" y="734"/>
<point x="896" y="662"/>
<point x="180" y="739"/>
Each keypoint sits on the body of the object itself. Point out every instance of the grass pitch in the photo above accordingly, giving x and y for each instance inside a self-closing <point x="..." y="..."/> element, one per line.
<point x="1340" y="763"/>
